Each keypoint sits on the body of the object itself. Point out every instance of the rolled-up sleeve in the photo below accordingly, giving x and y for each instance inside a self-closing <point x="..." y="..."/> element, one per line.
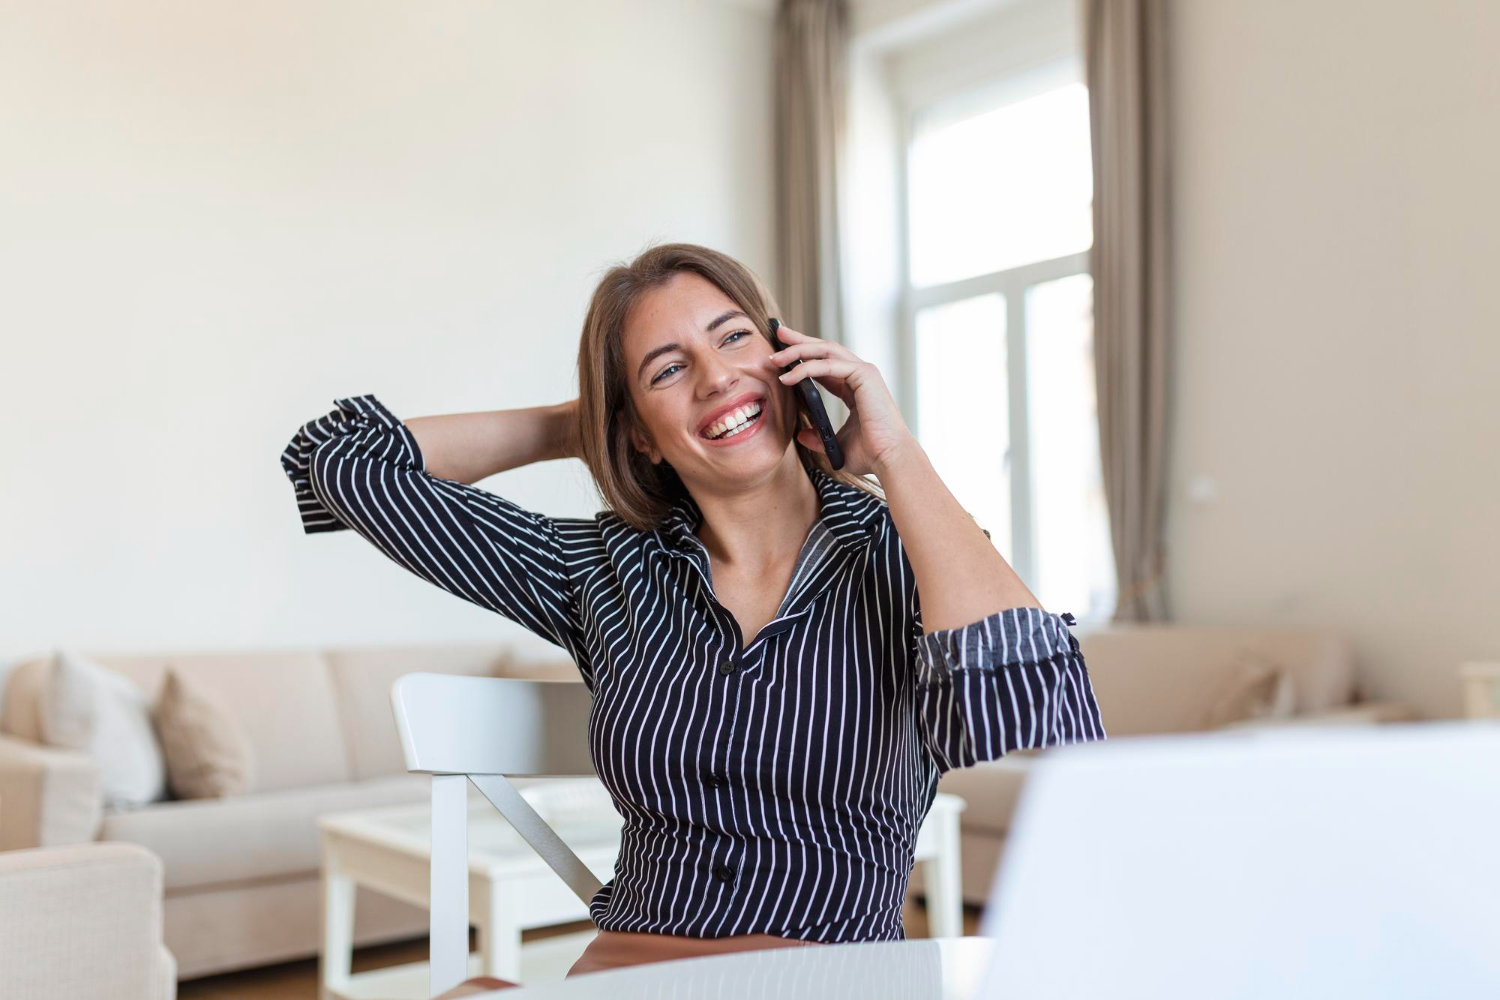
<point x="1014" y="679"/>
<point x="359" y="467"/>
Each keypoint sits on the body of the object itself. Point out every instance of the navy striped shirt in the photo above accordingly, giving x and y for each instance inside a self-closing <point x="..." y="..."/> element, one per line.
<point x="775" y="786"/>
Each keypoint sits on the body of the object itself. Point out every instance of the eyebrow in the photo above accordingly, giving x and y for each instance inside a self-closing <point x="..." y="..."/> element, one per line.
<point x="664" y="348"/>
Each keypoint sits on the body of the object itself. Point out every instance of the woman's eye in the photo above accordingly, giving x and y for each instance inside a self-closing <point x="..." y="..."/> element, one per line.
<point x="664" y="372"/>
<point x="737" y="333"/>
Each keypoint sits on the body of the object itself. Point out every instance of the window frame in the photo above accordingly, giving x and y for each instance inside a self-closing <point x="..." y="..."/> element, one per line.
<point x="972" y="97"/>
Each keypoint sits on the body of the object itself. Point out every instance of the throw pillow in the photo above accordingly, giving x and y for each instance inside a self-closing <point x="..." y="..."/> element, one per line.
<point x="88" y="707"/>
<point x="1258" y="690"/>
<point x="208" y="754"/>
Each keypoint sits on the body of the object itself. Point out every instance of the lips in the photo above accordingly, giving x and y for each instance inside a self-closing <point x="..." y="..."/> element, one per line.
<point x="729" y="407"/>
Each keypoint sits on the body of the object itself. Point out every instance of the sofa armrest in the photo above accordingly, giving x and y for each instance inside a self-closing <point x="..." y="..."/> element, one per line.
<point x="1362" y="713"/>
<point x="49" y="796"/>
<point x="84" y="921"/>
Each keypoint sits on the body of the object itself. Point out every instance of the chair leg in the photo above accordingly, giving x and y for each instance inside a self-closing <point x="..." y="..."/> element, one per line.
<point x="448" y="894"/>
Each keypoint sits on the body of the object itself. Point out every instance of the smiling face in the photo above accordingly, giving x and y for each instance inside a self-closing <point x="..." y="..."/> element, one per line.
<point x="694" y="359"/>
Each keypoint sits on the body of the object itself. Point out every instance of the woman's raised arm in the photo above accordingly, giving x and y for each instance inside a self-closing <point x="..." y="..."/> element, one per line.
<point x="361" y="468"/>
<point x="468" y="447"/>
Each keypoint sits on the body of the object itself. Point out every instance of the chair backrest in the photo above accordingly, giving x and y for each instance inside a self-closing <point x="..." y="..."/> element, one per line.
<point x="462" y="729"/>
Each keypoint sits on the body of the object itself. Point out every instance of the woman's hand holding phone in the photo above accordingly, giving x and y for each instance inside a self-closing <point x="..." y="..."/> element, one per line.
<point x="875" y="432"/>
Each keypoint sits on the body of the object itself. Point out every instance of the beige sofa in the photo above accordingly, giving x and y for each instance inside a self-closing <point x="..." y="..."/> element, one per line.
<point x="241" y="879"/>
<point x="1165" y="679"/>
<point x="83" y="921"/>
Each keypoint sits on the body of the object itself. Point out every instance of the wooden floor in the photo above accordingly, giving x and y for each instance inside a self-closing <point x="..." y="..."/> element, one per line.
<point x="299" y="980"/>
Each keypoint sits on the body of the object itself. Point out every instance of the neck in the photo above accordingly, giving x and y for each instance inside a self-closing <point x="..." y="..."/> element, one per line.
<point x="761" y="524"/>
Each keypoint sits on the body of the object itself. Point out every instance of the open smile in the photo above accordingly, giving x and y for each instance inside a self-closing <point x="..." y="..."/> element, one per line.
<point x="737" y="426"/>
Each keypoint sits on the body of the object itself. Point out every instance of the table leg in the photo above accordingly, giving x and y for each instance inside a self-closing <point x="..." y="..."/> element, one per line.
<point x="338" y="927"/>
<point x="942" y="877"/>
<point x="500" y="936"/>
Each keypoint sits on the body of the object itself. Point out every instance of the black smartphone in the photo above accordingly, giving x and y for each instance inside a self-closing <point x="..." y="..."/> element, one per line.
<point x="812" y="402"/>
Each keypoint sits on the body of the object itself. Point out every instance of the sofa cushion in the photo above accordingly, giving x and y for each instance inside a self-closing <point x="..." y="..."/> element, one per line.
<point x="283" y="700"/>
<point x="87" y="707"/>
<point x="990" y="790"/>
<point x="64" y="700"/>
<point x="362" y="678"/>
<point x="1258" y="691"/>
<point x="209" y="841"/>
<point x="208" y="755"/>
<point x="1165" y="678"/>
<point x="206" y="842"/>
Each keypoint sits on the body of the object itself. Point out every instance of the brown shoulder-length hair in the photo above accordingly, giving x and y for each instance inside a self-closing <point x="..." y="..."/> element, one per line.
<point x="640" y="492"/>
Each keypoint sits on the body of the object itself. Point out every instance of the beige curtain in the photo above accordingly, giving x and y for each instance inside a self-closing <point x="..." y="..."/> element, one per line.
<point x="1124" y="53"/>
<point x="812" y="38"/>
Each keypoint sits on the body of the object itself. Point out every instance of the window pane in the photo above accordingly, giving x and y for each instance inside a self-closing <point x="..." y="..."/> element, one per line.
<point x="1001" y="189"/>
<point x="1075" y="564"/>
<point x="963" y="416"/>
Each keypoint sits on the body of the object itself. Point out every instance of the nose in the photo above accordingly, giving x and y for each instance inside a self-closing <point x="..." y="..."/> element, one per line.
<point x="719" y="377"/>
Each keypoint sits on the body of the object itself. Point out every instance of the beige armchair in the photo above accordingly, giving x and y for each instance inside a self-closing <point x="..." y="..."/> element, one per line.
<point x="83" y="922"/>
<point x="49" y="796"/>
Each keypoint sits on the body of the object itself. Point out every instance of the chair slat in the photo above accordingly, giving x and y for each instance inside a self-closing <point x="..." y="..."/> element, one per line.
<point x="543" y="839"/>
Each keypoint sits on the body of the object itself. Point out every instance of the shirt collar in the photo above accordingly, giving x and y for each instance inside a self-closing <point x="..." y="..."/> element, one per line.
<point x="850" y="514"/>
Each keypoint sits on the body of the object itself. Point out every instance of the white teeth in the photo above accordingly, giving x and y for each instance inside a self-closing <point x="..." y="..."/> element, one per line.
<point x="738" y="430"/>
<point x="734" y="420"/>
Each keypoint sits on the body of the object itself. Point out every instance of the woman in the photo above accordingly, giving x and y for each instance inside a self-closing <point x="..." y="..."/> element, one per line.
<point x="783" y="659"/>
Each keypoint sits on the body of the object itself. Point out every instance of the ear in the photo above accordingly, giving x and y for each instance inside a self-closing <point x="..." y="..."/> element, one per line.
<point x="644" y="446"/>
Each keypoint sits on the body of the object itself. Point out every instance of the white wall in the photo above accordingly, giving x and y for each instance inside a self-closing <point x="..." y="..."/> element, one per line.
<point x="217" y="217"/>
<point x="1338" y="356"/>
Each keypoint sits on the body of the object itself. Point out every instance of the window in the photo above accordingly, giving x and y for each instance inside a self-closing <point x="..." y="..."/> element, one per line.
<point x="999" y="323"/>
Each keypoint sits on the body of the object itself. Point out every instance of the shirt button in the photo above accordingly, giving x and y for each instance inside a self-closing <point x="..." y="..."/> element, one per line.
<point x="724" y="873"/>
<point x="726" y="668"/>
<point x="715" y="781"/>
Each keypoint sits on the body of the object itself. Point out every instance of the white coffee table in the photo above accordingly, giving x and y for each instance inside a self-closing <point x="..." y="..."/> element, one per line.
<point x="511" y="889"/>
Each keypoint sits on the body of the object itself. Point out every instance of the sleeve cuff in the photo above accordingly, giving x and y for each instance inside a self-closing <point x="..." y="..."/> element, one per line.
<point x="375" y="432"/>
<point x="1014" y="636"/>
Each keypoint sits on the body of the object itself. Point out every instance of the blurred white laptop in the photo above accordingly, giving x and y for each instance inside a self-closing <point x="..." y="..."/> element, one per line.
<point x="1327" y="863"/>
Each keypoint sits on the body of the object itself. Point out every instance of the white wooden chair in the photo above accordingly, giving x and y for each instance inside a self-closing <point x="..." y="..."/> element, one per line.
<point x="462" y="729"/>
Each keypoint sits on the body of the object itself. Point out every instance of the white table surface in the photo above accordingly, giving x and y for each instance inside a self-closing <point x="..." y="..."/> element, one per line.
<point x="920" y="969"/>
